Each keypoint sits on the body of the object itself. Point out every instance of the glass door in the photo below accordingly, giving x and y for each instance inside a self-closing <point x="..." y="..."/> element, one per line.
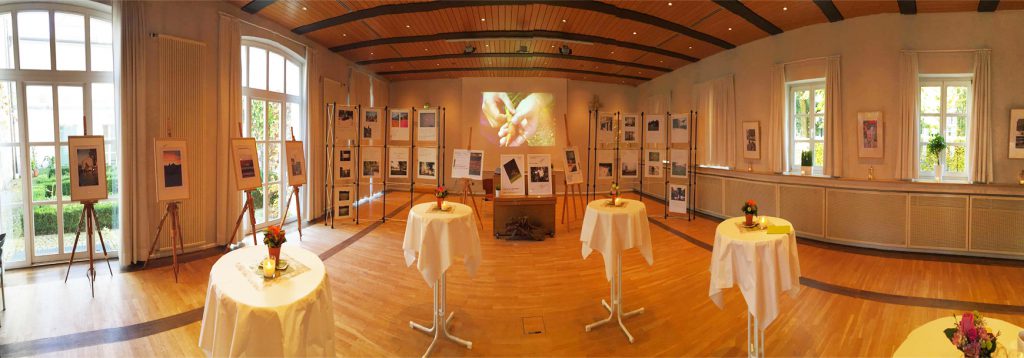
<point x="265" y="126"/>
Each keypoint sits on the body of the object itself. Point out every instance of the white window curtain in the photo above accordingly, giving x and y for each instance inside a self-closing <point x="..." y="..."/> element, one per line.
<point x="833" y="119"/>
<point x="776" y="137"/>
<point x="907" y="140"/>
<point x="980" y="140"/>
<point x="716" y="103"/>
<point x="130" y="48"/>
<point x="229" y="113"/>
<point x="314" y="138"/>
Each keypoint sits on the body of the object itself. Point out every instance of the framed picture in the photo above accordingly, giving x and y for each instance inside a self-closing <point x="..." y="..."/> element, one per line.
<point x="605" y="128"/>
<point x="88" y="164"/>
<point x="869" y="129"/>
<point x="296" y="161"/>
<point x="344" y="196"/>
<point x="171" y="169"/>
<point x="654" y="129"/>
<point x="629" y="127"/>
<point x="677" y="198"/>
<point x="398" y="162"/>
<point x="345" y="164"/>
<point x="605" y="163"/>
<point x="752" y="140"/>
<point x="371" y="124"/>
<point x="344" y="211"/>
<point x="426" y="158"/>
<point x="399" y="124"/>
<point x="680" y="162"/>
<point x="346" y="116"/>
<point x="629" y="163"/>
<point x="247" y="163"/>
<point x="426" y="125"/>
<point x="573" y="174"/>
<point x="371" y="162"/>
<point x="680" y="128"/>
<point x="653" y="163"/>
<point x="1017" y="133"/>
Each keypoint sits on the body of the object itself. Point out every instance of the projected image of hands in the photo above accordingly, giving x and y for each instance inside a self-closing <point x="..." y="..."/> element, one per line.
<point x="520" y="118"/>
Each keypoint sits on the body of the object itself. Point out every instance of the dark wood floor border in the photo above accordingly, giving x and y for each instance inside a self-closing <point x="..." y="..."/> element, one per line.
<point x="359" y="235"/>
<point x="167" y="260"/>
<point x="956" y="305"/>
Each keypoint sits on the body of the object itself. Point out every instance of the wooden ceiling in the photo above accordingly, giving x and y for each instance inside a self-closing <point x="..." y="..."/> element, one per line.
<point x="624" y="42"/>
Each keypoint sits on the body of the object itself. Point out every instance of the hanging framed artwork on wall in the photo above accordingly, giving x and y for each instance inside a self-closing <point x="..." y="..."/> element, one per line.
<point x="751" y="140"/>
<point x="1017" y="133"/>
<point x="869" y="129"/>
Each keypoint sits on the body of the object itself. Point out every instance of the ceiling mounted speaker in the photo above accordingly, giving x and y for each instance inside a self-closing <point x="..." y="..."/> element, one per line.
<point x="565" y="50"/>
<point x="523" y="49"/>
<point x="469" y="49"/>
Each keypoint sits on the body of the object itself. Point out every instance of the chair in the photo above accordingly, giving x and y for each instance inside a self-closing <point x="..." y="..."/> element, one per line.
<point x="3" y="296"/>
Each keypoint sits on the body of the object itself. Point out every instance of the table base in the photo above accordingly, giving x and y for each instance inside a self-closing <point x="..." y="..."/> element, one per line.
<point x="440" y="323"/>
<point x="755" y="349"/>
<point x="615" y="308"/>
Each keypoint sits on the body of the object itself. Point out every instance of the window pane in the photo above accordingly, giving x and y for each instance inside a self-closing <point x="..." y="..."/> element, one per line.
<point x="256" y="119"/>
<point x="261" y="149"/>
<point x="956" y="99"/>
<point x="34" y="40"/>
<point x="44" y="175"/>
<point x="819" y="100"/>
<point x="927" y="161"/>
<point x="801" y="102"/>
<point x="273" y="120"/>
<point x="956" y="129"/>
<point x="9" y="132"/>
<point x="930" y="99"/>
<point x="39" y="100"/>
<point x="11" y="200"/>
<point x="294" y="123"/>
<point x="819" y="127"/>
<point x="257" y="197"/>
<point x="800" y="127"/>
<point x="65" y="174"/>
<point x="6" y="44"/>
<point x="103" y="110"/>
<point x="107" y="214"/>
<point x="274" y="203"/>
<point x="70" y="111"/>
<point x="113" y="160"/>
<point x="275" y="68"/>
<point x="69" y="32"/>
<point x="245" y="66"/>
<point x="956" y="159"/>
<point x="292" y="76"/>
<point x="274" y="162"/>
<point x="102" y="51"/>
<point x="819" y="154"/>
<point x="72" y="212"/>
<point x="799" y="148"/>
<point x="929" y="127"/>
<point x="257" y="68"/>
<point x="44" y="221"/>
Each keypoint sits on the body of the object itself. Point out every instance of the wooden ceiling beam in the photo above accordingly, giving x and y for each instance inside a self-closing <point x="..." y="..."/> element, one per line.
<point x="550" y="69"/>
<point x="595" y="6"/>
<point x="736" y="7"/>
<point x="513" y="55"/>
<point x="830" y="10"/>
<point x="907" y="7"/>
<point x="988" y="5"/>
<point x="255" y="6"/>
<point x="543" y="34"/>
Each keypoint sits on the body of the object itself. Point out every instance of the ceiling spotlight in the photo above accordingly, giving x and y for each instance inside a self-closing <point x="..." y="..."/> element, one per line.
<point x="565" y="50"/>
<point x="303" y="8"/>
<point x="691" y="47"/>
<point x="371" y="53"/>
<point x="669" y="4"/>
<point x="487" y="45"/>
<point x="634" y="32"/>
<point x="469" y="49"/>
<point x="563" y="21"/>
<point x="482" y="19"/>
<point x="785" y="8"/>
<point x="730" y="29"/>
<point x="344" y="35"/>
<point x="407" y="26"/>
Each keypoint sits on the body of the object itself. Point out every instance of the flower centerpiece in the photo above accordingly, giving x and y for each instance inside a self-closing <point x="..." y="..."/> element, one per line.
<point x="935" y="147"/>
<point x="440" y="193"/>
<point x="750" y="210"/>
<point x="273" y="237"/>
<point x="971" y="337"/>
<point x="614" y="192"/>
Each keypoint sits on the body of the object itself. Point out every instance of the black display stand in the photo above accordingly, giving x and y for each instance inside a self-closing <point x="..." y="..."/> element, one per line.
<point x="330" y="159"/>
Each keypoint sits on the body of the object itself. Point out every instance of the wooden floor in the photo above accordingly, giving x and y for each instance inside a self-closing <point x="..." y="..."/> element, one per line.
<point x="852" y="303"/>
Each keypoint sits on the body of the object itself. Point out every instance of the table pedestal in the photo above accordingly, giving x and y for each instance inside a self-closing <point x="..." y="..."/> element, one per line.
<point x="755" y="349"/>
<point x="440" y="321"/>
<point x="615" y="308"/>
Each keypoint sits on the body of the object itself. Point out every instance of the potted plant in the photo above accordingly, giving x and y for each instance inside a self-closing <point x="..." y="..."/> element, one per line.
<point x="440" y="193"/>
<point x="936" y="146"/>
<point x="806" y="162"/>
<point x="273" y="237"/>
<point x="750" y="210"/>
<point x="497" y="191"/>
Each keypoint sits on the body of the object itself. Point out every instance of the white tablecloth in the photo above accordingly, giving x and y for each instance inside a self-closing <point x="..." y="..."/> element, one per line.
<point x="288" y="316"/>
<point x="763" y="265"/>
<point x="434" y="238"/>
<point x="929" y="340"/>
<point x="611" y="230"/>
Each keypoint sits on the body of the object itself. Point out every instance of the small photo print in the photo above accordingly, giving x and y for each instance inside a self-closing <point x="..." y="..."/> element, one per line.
<point x="540" y="174"/>
<point x="172" y="168"/>
<point x="629" y="169"/>
<point x="371" y="168"/>
<point x="629" y="121"/>
<point x="751" y="136"/>
<point x="476" y="163"/>
<point x="512" y="171"/>
<point x="428" y="119"/>
<point x="344" y="195"/>
<point x="604" y="170"/>
<point x="653" y="126"/>
<point x="345" y="155"/>
<point x="679" y="123"/>
<point x="345" y="117"/>
<point x="870" y="134"/>
<point x="371" y="116"/>
<point x="344" y="211"/>
<point x="248" y="165"/>
<point x="399" y="168"/>
<point x="678" y="194"/>
<point x="428" y="169"/>
<point x="295" y="165"/>
<point x="88" y="173"/>
<point x="629" y="136"/>
<point x="606" y="123"/>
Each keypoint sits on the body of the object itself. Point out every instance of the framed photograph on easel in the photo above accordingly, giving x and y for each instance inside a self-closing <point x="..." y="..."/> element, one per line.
<point x="296" y="161"/>
<point x="88" y="168"/>
<point x="171" y="169"/>
<point x="247" y="163"/>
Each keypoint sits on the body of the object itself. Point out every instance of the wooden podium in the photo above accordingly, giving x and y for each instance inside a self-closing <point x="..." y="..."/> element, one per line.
<point x="539" y="209"/>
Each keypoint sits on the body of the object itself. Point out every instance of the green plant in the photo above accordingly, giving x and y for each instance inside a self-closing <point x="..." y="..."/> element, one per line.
<point x="936" y="145"/>
<point x="44" y="218"/>
<point x="806" y="158"/>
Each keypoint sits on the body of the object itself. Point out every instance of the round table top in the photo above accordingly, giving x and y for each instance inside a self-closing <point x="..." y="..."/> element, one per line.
<point x="928" y="340"/>
<point x="730" y="230"/>
<point x="626" y="207"/>
<point x="428" y="211"/>
<point x="232" y="273"/>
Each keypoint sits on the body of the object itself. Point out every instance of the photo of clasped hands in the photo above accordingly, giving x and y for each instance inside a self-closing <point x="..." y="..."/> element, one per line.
<point x="516" y="123"/>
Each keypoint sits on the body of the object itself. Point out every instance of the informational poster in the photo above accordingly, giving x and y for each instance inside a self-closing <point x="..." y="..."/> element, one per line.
<point x="605" y="128"/>
<point x="426" y="129"/>
<point x="343" y="202"/>
<point x="296" y="163"/>
<point x="371" y="124"/>
<point x="540" y="173"/>
<point x="654" y="129"/>
<point x="677" y="198"/>
<point x="680" y="163"/>
<point x="371" y="162"/>
<point x="629" y="163"/>
<point x="573" y="174"/>
<point x="345" y="165"/>
<point x="680" y="127"/>
<point x="346" y="117"/>
<point x="605" y="163"/>
<point x="513" y="178"/>
<point x="398" y="162"/>
<point x="652" y="163"/>
<point x="630" y="122"/>
<point x="468" y="164"/>
<point x="400" y="124"/>
<point x="426" y="159"/>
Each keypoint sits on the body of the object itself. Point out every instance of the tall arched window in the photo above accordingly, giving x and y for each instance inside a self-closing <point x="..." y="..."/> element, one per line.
<point x="56" y="67"/>
<point x="272" y="93"/>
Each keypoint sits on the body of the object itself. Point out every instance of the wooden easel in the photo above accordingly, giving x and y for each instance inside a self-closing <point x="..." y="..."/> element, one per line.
<point x="176" y="240"/>
<point x="298" y="205"/>
<point x="572" y="191"/>
<point x="92" y="225"/>
<point x="467" y="187"/>
<point x="248" y="208"/>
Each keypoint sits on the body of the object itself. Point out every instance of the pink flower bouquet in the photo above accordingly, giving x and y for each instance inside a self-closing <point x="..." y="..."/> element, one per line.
<point x="971" y="336"/>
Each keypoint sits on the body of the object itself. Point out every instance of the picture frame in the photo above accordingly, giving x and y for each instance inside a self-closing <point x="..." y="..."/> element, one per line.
<point x="629" y="134"/>
<point x="573" y="173"/>
<point x="346" y="117"/>
<point x="343" y="199"/>
<point x="398" y="162"/>
<point x="870" y="135"/>
<point x="399" y="121"/>
<point x="371" y="129"/>
<point x="1016" y="134"/>
<point x="371" y="166"/>
<point x="751" y="140"/>
<point x="680" y="128"/>
<point x="426" y="125"/>
<point x="654" y="126"/>
<point x="171" y="164"/>
<point x="426" y="163"/>
<point x="246" y="161"/>
<point x="345" y="165"/>
<point x="88" y="167"/>
<point x="295" y="160"/>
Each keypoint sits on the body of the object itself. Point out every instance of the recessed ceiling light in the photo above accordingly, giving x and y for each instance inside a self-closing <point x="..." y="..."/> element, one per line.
<point x="634" y="32"/>
<point x="344" y="35"/>
<point x="669" y="4"/>
<point x="691" y="47"/>
<point x="730" y="29"/>
<point x="371" y="53"/>
<point x="303" y="8"/>
<point x="483" y="19"/>
<point x="407" y="26"/>
<point x="563" y="21"/>
<point x="613" y="52"/>
<point x="785" y="8"/>
<point x="487" y="45"/>
<point x="424" y="49"/>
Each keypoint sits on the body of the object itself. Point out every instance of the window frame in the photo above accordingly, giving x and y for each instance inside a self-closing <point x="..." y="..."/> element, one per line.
<point x="810" y="85"/>
<point x="944" y="81"/>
